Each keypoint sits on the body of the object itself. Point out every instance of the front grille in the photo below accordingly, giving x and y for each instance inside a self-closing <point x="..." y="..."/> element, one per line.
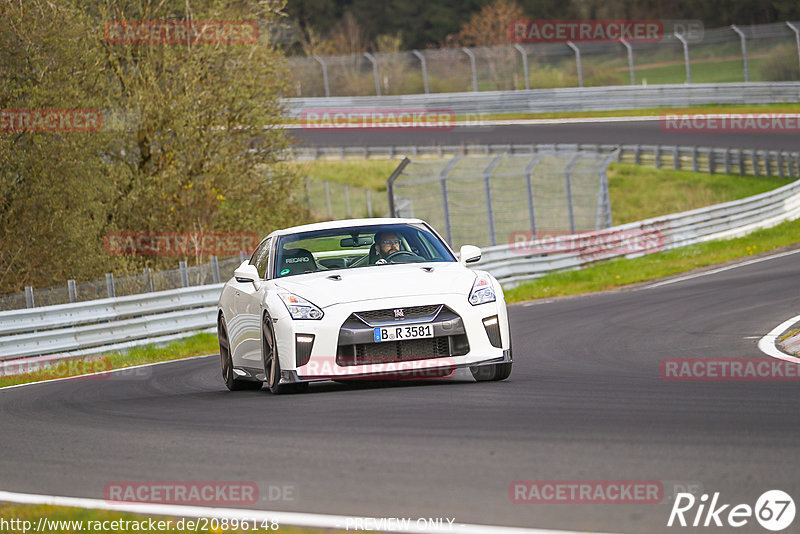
<point x="393" y="351"/>
<point x="410" y="313"/>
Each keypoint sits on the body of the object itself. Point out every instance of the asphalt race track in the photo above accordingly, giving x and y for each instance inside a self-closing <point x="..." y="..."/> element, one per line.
<point x="585" y="402"/>
<point x="646" y="132"/>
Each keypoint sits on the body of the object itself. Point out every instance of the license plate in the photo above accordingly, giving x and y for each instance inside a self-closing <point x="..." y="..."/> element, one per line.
<point x="400" y="333"/>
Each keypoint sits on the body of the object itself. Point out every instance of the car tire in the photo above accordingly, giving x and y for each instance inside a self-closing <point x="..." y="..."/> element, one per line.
<point x="272" y="364"/>
<point x="226" y="362"/>
<point x="492" y="373"/>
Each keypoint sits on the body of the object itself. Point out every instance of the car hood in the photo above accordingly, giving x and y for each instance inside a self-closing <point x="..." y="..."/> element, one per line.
<point x="380" y="282"/>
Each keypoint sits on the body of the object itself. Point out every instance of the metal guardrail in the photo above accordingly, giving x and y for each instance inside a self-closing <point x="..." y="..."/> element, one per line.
<point x="517" y="262"/>
<point x="93" y="327"/>
<point x="699" y="159"/>
<point x="564" y="99"/>
<point x="90" y="327"/>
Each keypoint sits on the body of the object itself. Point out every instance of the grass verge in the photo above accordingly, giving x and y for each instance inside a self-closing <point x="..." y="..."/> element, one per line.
<point x="68" y="520"/>
<point x="621" y="272"/>
<point x="196" y="345"/>
<point x="639" y="193"/>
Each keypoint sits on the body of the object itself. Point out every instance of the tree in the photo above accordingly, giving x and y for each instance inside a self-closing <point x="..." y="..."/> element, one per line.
<point x="196" y="149"/>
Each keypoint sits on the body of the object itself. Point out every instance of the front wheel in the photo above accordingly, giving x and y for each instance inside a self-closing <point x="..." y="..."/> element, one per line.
<point x="490" y="373"/>
<point x="272" y="364"/>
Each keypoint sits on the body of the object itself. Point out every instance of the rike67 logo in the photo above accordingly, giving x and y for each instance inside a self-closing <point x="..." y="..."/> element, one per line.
<point x="774" y="510"/>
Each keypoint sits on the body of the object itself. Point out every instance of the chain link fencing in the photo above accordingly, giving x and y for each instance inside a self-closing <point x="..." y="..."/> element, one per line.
<point x="766" y="52"/>
<point x="485" y="200"/>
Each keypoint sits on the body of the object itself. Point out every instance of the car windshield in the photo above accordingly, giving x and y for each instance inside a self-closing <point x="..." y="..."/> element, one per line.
<point x="358" y="246"/>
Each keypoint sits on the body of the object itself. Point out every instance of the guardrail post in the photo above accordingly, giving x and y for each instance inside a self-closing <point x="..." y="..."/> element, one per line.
<point x="112" y="291"/>
<point x="324" y="75"/>
<point x="524" y="55"/>
<point x="445" y="205"/>
<point x="215" y="270"/>
<point x="529" y="184"/>
<point x="637" y="154"/>
<point x="347" y="200"/>
<point x="29" y="303"/>
<point x="184" y="274"/>
<point x="577" y="61"/>
<point x="695" y="165"/>
<point x="755" y="163"/>
<point x="727" y="160"/>
<point x="744" y="51"/>
<point x="72" y="291"/>
<point x="628" y="46"/>
<point x="424" y="69"/>
<point x="790" y="165"/>
<point x="568" y="186"/>
<point x="685" y="55"/>
<point x="658" y="156"/>
<point x="375" y="75"/>
<point x="711" y="162"/>
<point x="742" y="161"/>
<point x="767" y="166"/>
<point x="676" y="158"/>
<point x="796" y="37"/>
<point x="328" y="198"/>
<point x="779" y="161"/>
<point x="471" y="56"/>
<point x="487" y="186"/>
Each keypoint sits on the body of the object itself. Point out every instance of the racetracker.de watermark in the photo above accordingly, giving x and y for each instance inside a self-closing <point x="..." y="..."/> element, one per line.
<point x="592" y="244"/>
<point x="183" y="492"/>
<point x="51" y="369"/>
<point x="586" y="491"/>
<point x="172" y="32"/>
<point x="179" y="243"/>
<point x="50" y="120"/>
<point x="731" y="123"/>
<point x="602" y="30"/>
<point x="331" y="367"/>
<point x="378" y="118"/>
<point x="728" y="369"/>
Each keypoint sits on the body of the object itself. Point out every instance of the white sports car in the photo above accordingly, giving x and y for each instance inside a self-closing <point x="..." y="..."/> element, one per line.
<point x="360" y="299"/>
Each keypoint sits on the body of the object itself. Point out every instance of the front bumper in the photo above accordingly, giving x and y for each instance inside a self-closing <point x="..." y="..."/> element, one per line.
<point x="338" y="340"/>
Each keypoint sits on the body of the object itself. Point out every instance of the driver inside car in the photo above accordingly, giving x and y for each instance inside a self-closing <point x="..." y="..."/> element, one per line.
<point x="386" y="243"/>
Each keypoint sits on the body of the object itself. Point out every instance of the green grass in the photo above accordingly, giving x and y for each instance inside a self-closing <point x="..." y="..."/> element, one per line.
<point x="367" y="173"/>
<point x="32" y="513"/>
<point x="196" y="345"/>
<point x="621" y="272"/>
<point x="639" y="193"/>
<point x="705" y="71"/>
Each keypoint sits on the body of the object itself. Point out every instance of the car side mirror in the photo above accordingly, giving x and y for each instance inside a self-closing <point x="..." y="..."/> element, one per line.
<point x="247" y="272"/>
<point x="469" y="254"/>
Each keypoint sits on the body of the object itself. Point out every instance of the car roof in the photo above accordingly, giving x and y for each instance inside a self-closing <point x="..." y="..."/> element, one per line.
<point x="347" y="223"/>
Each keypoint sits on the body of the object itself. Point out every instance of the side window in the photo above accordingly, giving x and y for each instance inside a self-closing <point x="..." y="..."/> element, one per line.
<point x="261" y="257"/>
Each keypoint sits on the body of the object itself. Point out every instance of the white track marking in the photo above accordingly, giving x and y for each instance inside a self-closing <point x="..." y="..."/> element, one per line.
<point x="119" y="369"/>
<point x="721" y="269"/>
<point x="767" y="343"/>
<point x="282" y="518"/>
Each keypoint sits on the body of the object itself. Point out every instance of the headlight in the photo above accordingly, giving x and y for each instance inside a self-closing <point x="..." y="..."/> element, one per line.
<point x="482" y="291"/>
<point x="300" y="308"/>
